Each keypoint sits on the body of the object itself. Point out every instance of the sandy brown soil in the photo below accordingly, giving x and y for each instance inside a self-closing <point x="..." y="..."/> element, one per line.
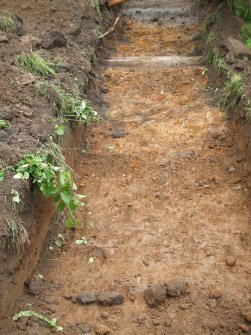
<point x="167" y="200"/>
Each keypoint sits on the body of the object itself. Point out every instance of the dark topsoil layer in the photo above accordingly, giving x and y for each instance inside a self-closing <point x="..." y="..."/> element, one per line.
<point x="76" y="26"/>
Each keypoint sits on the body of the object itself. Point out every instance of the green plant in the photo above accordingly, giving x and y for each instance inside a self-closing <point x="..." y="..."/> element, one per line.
<point x="34" y="63"/>
<point x="4" y="124"/>
<point x="211" y="19"/>
<point x="245" y="34"/>
<point x="67" y="105"/>
<point x="16" y="198"/>
<point x="49" y="323"/>
<point x="232" y="92"/>
<point x="7" y="24"/>
<point x="16" y="235"/>
<point x="242" y="9"/>
<point x="245" y="31"/>
<point x="248" y="43"/>
<point x="97" y="7"/>
<point x="47" y="171"/>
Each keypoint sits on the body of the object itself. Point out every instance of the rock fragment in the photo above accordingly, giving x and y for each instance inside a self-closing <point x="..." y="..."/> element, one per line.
<point x="36" y="285"/>
<point x="155" y="295"/>
<point x="231" y="261"/>
<point x="237" y="48"/>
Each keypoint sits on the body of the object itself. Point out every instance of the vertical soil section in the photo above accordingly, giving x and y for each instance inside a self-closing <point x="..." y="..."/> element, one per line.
<point x="167" y="198"/>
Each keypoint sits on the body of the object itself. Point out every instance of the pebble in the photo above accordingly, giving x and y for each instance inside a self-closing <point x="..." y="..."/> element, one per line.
<point x="145" y="262"/>
<point x="231" y="169"/>
<point x="230" y="261"/>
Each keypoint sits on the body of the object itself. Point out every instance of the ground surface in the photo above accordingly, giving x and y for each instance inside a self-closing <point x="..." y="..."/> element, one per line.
<point x="167" y="199"/>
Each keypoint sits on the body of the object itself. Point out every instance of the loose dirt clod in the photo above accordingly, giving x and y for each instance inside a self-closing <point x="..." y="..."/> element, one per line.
<point x="36" y="285"/>
<point x="176" y="288"/>
<point x="109" y="298"/>
<point x="86" y="298"/>
<point x="231" y="261"/>
<point x="155" y="295"/>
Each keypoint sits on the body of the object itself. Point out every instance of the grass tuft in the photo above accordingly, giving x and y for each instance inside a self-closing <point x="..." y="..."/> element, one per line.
<point x="16" y="236"/>
<point x="4" y="124"/>
<point x="242" y="9"/>
<point x="36" y="64"/>
<point x="232" y="92"/>
<point x="68" y="106"/>
<point x="7" y="24"/>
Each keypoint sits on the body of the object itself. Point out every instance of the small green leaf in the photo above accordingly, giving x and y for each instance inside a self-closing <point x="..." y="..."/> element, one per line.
<point x="18" y="176"/>
<point x="60" y="130"/>
<point x="61" y="207"/>
<point x="111" y="147"/>
<point x="69" y="223"/>
<point x="2" y="175"/>
<point x="58" y="243"/>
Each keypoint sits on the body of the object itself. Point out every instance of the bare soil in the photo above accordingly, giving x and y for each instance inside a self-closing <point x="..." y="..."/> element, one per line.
<point x="167" y="181"/>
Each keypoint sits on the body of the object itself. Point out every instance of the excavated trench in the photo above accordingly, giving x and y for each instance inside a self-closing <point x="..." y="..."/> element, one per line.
<point x="166" y="181"/>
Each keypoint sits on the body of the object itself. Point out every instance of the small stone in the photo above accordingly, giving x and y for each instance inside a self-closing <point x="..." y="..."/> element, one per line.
<point x="155" y="295"/>
<point x="230" y="261"/>
<point x="246" y="313"/>
<point x="104" y="315"/>
<point x="36" y="285"/>
<point x="215" y="294"/>
<point x="102" y="330"/>
<point x="110" y="298"/>
<point x="145" y="262"/>
<point x="244" y="328"/>
<point x="104" y="90"/>
<point x="55" y="39"/>
<point x="25" y="79"/>
<point x="237" y="48"/>
<point x="3" y="37"/>
<point x="176" y="288"/>
<point x="231" y="170"/>
<point x="86" y="298"/>
<point x="118" y="133"/>
<point x="67" y="296"/>
<point x="6" y="113"/>
<point x="28" y="113"/>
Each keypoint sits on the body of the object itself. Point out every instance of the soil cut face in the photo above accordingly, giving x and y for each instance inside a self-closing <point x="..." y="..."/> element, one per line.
<point x="168" y="203"/>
